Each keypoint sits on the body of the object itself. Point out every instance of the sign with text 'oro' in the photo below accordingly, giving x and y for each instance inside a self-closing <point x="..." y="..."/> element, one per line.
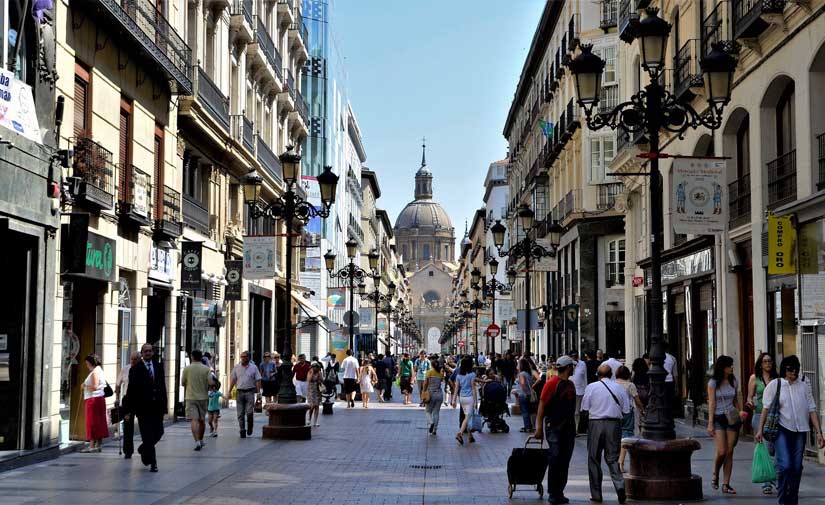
<point x="781" y="245"/>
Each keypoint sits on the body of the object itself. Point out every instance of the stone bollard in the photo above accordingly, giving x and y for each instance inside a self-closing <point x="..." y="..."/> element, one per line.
<point x="287" y="421"/>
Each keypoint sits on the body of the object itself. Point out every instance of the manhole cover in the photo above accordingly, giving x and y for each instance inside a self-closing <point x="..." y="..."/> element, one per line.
<point x="391" y="421"/>
<point x="426" y="467"/>
<point x="65" y="464"/>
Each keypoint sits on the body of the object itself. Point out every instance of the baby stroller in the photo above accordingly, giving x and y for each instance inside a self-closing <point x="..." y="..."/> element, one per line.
<point x="494" y="407"/>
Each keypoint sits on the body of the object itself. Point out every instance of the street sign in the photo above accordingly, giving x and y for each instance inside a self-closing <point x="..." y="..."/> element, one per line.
<point x="351" y="315"/>
<point x="493" y="330"/>
<point x="461" y="343"/>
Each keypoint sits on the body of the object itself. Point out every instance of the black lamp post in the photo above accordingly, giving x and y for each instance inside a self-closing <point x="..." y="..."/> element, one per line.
<point x="489" y="289"/>
<point x="377" y="298"/>
<point x="354" y="277"/>
<point x="652" y="110"/>
<point x="528" y="249"/>
<point x="290" y="207"/>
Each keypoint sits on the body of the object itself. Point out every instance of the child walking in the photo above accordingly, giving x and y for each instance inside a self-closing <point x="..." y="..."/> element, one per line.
<point x="214" y="408"/>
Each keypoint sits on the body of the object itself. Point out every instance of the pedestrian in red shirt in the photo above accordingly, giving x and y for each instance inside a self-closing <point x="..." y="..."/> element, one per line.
<point x="301" y="370"/>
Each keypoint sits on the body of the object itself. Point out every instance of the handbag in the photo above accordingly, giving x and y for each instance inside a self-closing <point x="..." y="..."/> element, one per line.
<point x="259" y="405"/>
<point x="733" y="416"/>
<point x="425" y="396"/>
<point x="770" y="430"/>
<point x="108" y="391"/>
<point x="475" y="422"/>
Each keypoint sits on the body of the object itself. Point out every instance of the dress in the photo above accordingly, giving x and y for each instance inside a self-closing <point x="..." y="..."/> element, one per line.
<point x="314" y="393"/>
<point x="366" y="382"/>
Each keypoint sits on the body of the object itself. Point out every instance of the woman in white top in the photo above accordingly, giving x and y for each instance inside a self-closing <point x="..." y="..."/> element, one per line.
<point x="797" y="411"/>
<point x="367" y="380"/>
<point x="97" y="427"/>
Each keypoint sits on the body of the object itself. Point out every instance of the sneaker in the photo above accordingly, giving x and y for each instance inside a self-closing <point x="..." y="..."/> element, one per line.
<point x="243" y="434"/>
<point x="214" y="434"/>
<point x="198" y="446"/>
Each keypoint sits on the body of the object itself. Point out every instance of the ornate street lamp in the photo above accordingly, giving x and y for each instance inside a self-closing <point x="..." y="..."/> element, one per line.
<point x="652" y="110"/>
<point x="489" y="289"/>
<point x="355" y="279"/>
<point x="289" y="207"/>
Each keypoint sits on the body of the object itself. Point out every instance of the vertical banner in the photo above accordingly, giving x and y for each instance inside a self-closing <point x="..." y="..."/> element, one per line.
<point x="336" y="298"/>
<point x="781" y="243"/>
<point x="699" y="200"/>
<point x="234" y="278"/>
<point x="190" y="274"/>
<point x="259" y="257"/>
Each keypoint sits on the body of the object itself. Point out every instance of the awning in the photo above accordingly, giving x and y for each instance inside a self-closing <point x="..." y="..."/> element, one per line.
<point x="309" y="310"/>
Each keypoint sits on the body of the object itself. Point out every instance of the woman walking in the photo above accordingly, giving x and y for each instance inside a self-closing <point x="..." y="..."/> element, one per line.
<point x="764" y="371"/>
<point x="723" y="401"/>
<point x="796" y="410"/>
<point x="94" y="398"/>
<point x="628" y="421"/>
<point x="432" y="387"/>
<point x="465" y="394"/>
<point x="525" y="389"/>
<point x="367" y="380"/>
<point x="315" y="379"/>
<point x="405" y="374"/>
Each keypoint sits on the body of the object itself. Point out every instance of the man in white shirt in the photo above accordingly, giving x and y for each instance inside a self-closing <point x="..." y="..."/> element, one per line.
<point x="579" y="379"/>
<point x="246" y="377"/>
<point x="614" y="365"/>
<point x="349" y="369"/>
<point x="606" y="402"/>
<point x="670" y="380"/>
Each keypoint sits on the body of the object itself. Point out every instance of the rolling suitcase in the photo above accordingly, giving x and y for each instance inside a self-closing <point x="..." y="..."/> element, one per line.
<point x="526" y="466"/>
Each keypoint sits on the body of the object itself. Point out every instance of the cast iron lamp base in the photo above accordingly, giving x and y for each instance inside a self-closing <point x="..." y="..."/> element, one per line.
<point x="660" y="469"/>
<point x="287" y="422"/>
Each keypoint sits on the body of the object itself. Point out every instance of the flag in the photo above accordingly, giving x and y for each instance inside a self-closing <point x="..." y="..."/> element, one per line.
<point x="546" y="127"/>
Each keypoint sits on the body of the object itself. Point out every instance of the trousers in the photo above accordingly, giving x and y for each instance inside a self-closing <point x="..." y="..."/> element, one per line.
<point x="560" y="443"/>
<point x="245" y="408"/>
<point x="433" y="408"/>
<point x="524" y="403"/>
<point x="789" y="448"/>
<point x="603" y="436"/>
<point x="128" y="434"/>
<point x="151" y="431"/>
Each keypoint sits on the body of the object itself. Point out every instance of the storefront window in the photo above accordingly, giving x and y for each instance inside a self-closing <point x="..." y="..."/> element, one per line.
<point x="203" y="328"/>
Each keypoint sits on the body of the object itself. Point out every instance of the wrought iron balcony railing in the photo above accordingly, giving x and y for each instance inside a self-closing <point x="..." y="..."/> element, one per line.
<point x="628" y="18"/>
<point x="739" y="194"/>
<point x="273" y="57"/>
<point x="608" y="194"/>
<point x="290" y="84"/>
<point x="211" y="98"/>
<point x="269" y="161"/>
<point x="301" y="107"/>
<point x="243" y="130"/>
<point x="686" y="71"/>
<point x="609" y="14"/>
<point x="782" y="180"/>
<point x="195" y="215"/>
<point x="573" y="32"/>
<point x="135" y="195"/>
<point x="168" y="222"/>
<point x="748" y="16"/>
<point x="93" y="174"/>
<point x="243" y="7"/>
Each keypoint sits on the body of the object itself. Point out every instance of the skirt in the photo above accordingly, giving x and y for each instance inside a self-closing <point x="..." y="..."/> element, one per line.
<point x="406" y="384"/>
<point x="270" y="388"/>
<point x="97" y="426"/>
<point x="366" y="385"/>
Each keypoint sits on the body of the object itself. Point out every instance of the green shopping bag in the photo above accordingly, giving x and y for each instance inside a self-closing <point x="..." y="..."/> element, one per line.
<point x="762" y="469"/>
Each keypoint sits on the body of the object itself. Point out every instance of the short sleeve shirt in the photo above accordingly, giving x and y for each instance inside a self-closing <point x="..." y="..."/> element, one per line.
<point x="421" y="368"/>
<point x="406" y="368"/>
<point x="301" y="370"/>
<point x="559" y="397"/>
<point x="196" y="376"/>
<point x="246" y="376"/>
<point x="465" y="384"/>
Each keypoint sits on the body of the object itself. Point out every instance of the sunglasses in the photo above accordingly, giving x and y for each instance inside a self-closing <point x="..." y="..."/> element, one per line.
<point x="791" y="369"/>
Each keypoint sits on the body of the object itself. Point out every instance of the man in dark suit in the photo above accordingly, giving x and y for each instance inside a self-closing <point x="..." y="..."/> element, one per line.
<point x="147" y="399"/>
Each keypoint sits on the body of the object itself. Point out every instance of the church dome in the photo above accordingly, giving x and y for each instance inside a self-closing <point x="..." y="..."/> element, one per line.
<point x="422" y="213"/>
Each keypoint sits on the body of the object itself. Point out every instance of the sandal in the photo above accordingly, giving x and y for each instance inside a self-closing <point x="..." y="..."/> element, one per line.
<point x="726" y="489"/>
<point x="472" y="439"/>
<point x="767" y="491"/>
<point x="460" y="439"/>
<point x="714" y="482"/>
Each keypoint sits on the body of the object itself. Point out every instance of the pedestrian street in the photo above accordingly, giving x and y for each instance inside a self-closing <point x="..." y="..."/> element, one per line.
<point x="382" y="455"/>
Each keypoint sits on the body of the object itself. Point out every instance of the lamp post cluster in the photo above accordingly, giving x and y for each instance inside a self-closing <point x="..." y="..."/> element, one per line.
<point x="652" y="110"/>
<point x="380" y="301"/>
<point x="527" y="249"/>
<point x="488" y="290"/>
<point x="291" y="208"/>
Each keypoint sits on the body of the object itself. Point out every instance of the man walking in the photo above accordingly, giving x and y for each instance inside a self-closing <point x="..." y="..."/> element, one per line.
<point x="128" y="416"/>
<point x="381" y="374"/>
<point x="555" y="420"/>
<point x="422" y="365"/>
<point x="390" y="362"/>
<point x="147" y="400"/>
<point x="196" y="379"/>
<point x="606" y="402"/>
<point x="349" y="368"/>
<point x="246" y="378"/>
<point x="301" y="371"/>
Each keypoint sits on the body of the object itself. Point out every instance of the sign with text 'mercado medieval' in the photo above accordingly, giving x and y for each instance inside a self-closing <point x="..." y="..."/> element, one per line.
<point x="191" y="265"/>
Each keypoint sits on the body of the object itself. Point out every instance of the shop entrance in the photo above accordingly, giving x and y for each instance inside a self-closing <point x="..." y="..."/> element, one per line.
<point x="83" y="326"/>
<point x="18" y="263"/>
<point x="260" y="329"/>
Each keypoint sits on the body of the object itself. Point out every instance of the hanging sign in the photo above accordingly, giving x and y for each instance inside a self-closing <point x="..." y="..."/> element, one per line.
<point x="336" y="298"/>
<point x="259" y="257"/>
<point x="781" y="244"/>
<point x="17" y="112"/>
<point x="191" y="263"/>
<point x="234" y="279"/>
<point x="699" y="200"/>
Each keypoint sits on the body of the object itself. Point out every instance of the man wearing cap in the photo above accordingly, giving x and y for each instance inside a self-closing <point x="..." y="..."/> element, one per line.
<point x="555" y="420"/>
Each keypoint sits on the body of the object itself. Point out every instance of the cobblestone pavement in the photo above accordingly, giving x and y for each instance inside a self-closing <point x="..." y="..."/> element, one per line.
<point x="356" y="457"/>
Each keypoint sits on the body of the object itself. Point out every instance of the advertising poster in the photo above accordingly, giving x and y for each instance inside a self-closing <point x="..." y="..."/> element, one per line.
<point x="259" y="257"/>
<point x="190" y="275"/>
<point x="699" y="200"/>
<point x="336" y="298"/>
<point x="234" y="278"/>
<point x="382" y="323"/>
<point x="17" y="112"/>
<point x="781" y="244"/>
<point x="367" y="323"/>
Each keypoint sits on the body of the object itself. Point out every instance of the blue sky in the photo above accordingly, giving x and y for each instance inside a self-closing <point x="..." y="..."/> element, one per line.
<point x="444" y="69"/>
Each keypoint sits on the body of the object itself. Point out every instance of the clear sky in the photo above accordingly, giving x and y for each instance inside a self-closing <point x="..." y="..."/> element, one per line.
<point x="441" y="69"/>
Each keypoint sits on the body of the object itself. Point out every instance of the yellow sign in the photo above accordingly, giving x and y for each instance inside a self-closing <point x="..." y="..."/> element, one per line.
<point x="781" y="245"/>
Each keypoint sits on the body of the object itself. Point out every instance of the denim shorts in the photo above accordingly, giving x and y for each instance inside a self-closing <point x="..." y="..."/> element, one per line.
<point x="720" y="422"/>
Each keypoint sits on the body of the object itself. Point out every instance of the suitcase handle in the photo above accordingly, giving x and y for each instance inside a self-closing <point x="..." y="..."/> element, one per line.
<point x="536" y="441"/>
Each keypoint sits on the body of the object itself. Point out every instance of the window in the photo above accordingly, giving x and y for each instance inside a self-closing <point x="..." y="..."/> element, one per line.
<point x="158" y="169"/>
<point x="743" y="152"/>
<point x="431" y="273"/>
<point x="615" y="263"/>
<point x="602" y="152"/>
<point x="82" y="101"/>
<point x="125" y="149"/>
<point x="608" y="54"/>
<point x="785" y="124"/>
<point x="191" y="176"/>
<point x="426" y="255"/>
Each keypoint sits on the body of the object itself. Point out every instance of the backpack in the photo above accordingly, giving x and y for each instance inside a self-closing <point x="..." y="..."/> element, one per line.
<point x="330" y="375"/>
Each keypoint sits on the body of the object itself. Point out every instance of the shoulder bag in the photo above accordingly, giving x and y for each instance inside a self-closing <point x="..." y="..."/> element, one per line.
<point x="107" y="390"/>
<point x="770" y="430"/>
<point x="613" y="395"/>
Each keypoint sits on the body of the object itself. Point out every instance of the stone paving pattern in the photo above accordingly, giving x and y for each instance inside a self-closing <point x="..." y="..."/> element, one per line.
<point x="356" y="457"/>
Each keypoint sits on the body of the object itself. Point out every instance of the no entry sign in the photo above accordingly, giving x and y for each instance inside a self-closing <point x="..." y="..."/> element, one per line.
<point x="493" y="330"/>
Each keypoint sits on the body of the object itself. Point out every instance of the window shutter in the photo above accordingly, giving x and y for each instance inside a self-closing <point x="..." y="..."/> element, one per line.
<point x="158" y="170"/>
<point x="81" y="88"/>
<point x="123" y="168"/>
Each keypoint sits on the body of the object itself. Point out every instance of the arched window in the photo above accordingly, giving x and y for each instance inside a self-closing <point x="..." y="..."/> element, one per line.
<point x="785" y="124"/>
<point x="743" y="151"/>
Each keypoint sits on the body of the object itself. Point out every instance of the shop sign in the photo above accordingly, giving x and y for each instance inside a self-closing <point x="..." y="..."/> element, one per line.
<point x="336" y="298"/>
<point x="259" y="257"/>
<point x="340" y="341"/>
<point x="191" y="265"/>
<point x="382" y="323"/>
<point x="571" y="317"/>
<point x="17" y="112"/>
<point x="234" y="279"/>
<point x="161" y="263"/>
<point x="637" y="281"/>
<point x="95" y="260"/>
<point x="698" y="201"/>
<point x="367" y="322"/>
<point x="521" y="320"/>
<point x="781" y="243"/>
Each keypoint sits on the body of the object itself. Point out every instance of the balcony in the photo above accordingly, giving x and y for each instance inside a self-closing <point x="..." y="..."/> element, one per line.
<point x="609" y="14"/>
<point x="298" y="38"/>
<point x="752" y="17"/>
<point x="686" y="72"/>
<point x="569" y="205"/>
<point x="716" y="29"/>
<point x="139" y="27"/>
<point x="135" y="196"/>
<point x="628" y="19"/>
<point x="559" y="134"/>
<point x="608" y="194"/>
<point x="272" y="57"/>
<point x="573" y="32"/>
<point x="92" y="181"/>
<point x="782" y="180"/>
<point x="269" y="161"/>
<point x="820" y="139"/>
<point x="212" y="100"/>
<point x="167" y="224"/>
<point x="572" y="116"/>
<point x="609" y="98"/>
<point x="301" y="107"/>
<point x="243" y="130"/>
<point x="739" y="193"/>
<point x="286" y="11"/>
<point x="240" y="20"/>
<point x="195" y="215"/>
